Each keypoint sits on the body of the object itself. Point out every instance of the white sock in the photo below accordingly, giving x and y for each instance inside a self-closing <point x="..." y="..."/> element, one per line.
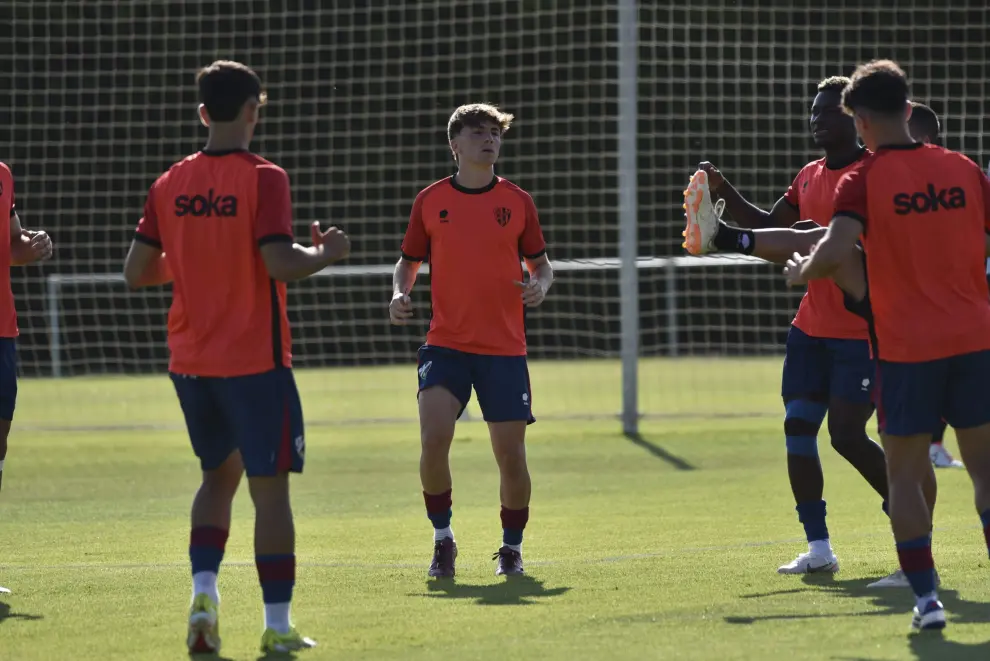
<point x="515" y="547"/>
<point x="821" y="547"/>
<point x="442" y="533"/>
<point x="923" y="601"/>
<point x="205" y="582"/>
<point x="277" y="617"/>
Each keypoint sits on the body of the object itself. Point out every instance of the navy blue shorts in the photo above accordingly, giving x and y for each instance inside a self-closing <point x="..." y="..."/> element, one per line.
<point x="822" y="369"/>
<point x="8" y="377"/>
<point x="916" y="397"/>
<point x="258" y="414"/>
<point x="501" y="382"/>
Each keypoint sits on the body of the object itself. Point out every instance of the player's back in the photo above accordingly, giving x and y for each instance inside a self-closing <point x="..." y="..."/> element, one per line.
<point x="228" y="316"/>
<point x="927" y="215"/>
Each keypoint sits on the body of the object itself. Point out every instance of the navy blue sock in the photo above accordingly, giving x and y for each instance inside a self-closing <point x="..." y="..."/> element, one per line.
<point x="438" y="509"/>
<point x="885" y="506"/>
<point x="277" y="574"/>
<point x="513" y="524"/>
<point x="812" y="516"/>
<point x="916" y="560"/>
<point x="206" y="547"/>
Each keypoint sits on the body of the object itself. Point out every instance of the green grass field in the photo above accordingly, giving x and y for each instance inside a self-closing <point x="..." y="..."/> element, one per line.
<point x="661" y="548"/>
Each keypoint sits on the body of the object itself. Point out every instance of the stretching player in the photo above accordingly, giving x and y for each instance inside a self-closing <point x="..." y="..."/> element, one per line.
<point x="220" y="223"/>
<point x="473" y="227"/>
<point x="18" y="246"/>
<point x="827" y="365"/>
<point x="931" y="316"/>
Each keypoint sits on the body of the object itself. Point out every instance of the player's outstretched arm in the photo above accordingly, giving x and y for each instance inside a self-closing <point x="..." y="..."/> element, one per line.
<point x="27" y="247"/>
<point x="745" y="214"/>
<point x="287" y="261"/>
<point x="832" y="251"/>
<point x="145" y="265"/>
<point x="400" y="309"/>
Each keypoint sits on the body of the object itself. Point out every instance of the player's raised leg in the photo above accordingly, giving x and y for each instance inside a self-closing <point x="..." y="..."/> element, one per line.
<point x="804" y="390"/>
<point x="444" y="391"/>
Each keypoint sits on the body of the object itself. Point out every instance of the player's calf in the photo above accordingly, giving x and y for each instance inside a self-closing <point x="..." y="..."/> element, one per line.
<point x="509" y="446"/>
<point x="438" y="412"/>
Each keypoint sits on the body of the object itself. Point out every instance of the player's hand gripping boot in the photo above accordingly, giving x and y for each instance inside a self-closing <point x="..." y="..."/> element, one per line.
<point x="701" y="216"/>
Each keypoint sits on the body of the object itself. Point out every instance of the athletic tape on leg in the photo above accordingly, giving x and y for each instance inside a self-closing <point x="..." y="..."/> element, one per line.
<point x="813" y="413"/>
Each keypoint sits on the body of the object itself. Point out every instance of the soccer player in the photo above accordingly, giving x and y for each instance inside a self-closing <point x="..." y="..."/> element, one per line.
<point x="910" y="202"/>
<point x="473" y="227"/>
<point x="827" y="364"/>
<point x="218" y="224"/>
<point x="19" y="246"/>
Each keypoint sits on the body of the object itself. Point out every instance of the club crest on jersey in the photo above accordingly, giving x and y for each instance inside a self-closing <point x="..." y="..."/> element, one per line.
<point x="503" y="215"/>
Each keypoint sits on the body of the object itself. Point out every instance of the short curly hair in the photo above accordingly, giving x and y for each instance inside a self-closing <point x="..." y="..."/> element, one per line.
<point x="879" y="86"/>
<point x="833" y="84"/>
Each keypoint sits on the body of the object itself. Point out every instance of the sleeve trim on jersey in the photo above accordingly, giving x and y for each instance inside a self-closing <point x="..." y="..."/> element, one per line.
<point x="536" y="255"/>
<point x="410" y="258"/>
<point x="851" y="214"/>
<point x="275" y="238"/>
<point x="147" y="240"/>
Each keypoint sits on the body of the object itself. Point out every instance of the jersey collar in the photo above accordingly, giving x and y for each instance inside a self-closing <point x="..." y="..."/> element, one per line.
<point x="472" y="191"/>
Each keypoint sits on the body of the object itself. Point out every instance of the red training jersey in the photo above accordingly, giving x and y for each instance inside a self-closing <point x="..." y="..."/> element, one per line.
<point x="8" y="315"/>
<point x="822" y="312"/>
<point x="210" y="214"/>
<point x="474" y="239"/>
<point x="925" y="212"/>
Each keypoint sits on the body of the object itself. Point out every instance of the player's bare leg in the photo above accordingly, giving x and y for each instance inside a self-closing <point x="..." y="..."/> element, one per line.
<point x="211" y="511"/>
<point x="515" y="488"/>
<point x="275" y="558"/>
<point x="974" y="446"/>
<point x="847" y="430"/>
<point x="908" y="468"/>
<point x="438" y="411"/>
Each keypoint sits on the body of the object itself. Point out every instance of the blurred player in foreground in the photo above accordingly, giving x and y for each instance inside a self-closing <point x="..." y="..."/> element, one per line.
<point x="218" y="224"/>
<point x="827" y="363"/>
<point x="18" y="246"/>
<point x="473" y="227"/>
<point x="911" y="202"/>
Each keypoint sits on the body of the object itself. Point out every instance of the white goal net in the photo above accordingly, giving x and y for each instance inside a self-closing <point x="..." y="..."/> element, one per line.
<point x="103" y="100"/>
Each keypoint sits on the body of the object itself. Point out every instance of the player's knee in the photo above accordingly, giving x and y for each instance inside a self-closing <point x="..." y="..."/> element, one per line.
<point x="269" y="490"/>
<point x="802" y="420"/>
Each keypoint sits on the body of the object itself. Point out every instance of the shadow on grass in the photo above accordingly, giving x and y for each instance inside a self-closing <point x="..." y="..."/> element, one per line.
<point x="640" y="441"/>
<point x="514" y="591"/>
<point x="7" y="614"/>
<point x="927" y="646"/>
